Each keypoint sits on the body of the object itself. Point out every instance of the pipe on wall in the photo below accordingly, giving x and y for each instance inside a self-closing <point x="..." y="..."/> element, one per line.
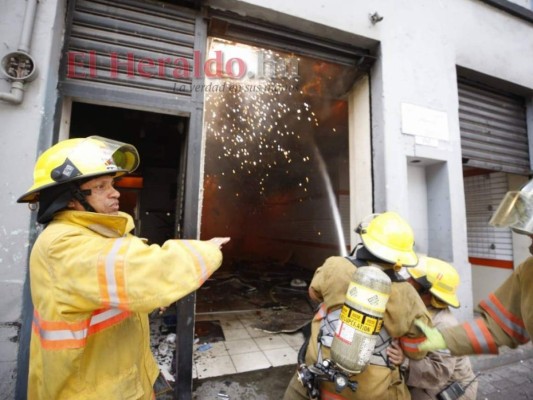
<point x="19" y="66"/>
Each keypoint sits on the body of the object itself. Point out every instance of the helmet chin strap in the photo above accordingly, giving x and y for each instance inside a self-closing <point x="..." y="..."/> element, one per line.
<point x="81" y="195"/>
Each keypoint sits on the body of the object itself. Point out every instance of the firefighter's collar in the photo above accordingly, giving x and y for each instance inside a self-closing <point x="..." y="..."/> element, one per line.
<point x="103" y="224"/>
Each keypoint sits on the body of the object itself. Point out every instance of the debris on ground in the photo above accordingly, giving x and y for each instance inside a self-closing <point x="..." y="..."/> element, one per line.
<point x="277" y="294"/>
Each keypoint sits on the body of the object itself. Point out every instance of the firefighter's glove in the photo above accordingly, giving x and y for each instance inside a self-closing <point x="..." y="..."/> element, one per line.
<point x="434" y="339"/>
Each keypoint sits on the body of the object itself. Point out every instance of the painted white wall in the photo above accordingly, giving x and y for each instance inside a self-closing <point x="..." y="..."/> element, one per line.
<point x="22" y="130"/>
<point x="360" y="155"/>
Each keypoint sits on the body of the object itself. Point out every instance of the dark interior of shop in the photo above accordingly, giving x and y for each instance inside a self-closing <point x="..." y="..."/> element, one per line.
<point x="150" y="193"/>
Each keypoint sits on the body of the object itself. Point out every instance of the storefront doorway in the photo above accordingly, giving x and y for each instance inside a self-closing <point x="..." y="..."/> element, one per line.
<point x="151" y="195"/>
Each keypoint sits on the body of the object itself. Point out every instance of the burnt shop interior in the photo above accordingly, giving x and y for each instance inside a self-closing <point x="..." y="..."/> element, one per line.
<point x="275" y="180"/>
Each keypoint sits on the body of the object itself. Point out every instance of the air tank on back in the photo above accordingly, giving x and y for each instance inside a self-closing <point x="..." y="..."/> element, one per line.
<point x="361" y="319"/>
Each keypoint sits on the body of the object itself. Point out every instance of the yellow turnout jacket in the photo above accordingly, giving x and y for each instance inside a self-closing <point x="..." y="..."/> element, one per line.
<point x="404" y="306"/>
<point x="506" y="317"/>
<point x="93" y="285"/>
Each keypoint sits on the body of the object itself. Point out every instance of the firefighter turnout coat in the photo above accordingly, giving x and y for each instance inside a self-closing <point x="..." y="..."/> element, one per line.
<point x="429" y="376"/>
<point x="377" y="382"/>
<point x="93" y="285"/>
<point x="506" y="317"/>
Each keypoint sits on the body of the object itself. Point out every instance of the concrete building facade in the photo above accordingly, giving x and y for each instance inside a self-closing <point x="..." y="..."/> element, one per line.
<point x="406" y="119"/>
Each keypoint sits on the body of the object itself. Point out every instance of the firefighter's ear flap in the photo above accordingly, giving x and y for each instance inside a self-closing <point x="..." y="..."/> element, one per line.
<point x="423" y="281"/>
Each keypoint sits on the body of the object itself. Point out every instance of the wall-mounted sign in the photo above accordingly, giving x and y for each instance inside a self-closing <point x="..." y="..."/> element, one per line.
<point x="424" y="122"/>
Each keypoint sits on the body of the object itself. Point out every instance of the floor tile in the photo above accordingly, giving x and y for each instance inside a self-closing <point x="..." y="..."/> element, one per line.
<point x="207" y="368"/>
<point x="236" y="334"/>
<point x="284" y="356"/>
<point x="293" y="340"/>
<point x="230" y="323"/>
<point x="248" y="321"/>
<point x="245" y="348"/>
<point x="250" y="361"/>
<point x="255" y="333"/>
<point x="241" y="346"/>
<point x="271" y="342"/>
<point x="217" y="349"/>
<point x="297" y="348"/>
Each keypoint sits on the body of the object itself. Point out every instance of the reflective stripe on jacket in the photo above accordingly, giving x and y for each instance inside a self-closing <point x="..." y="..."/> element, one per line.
<point x="93" y="285"/>
<point x="506" y="317"/>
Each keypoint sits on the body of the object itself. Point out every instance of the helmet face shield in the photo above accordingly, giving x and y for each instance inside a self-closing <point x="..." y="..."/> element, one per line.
<point x="75" y="159"/>
<point x="516" y="212"/>
<point x="98" y="155"/>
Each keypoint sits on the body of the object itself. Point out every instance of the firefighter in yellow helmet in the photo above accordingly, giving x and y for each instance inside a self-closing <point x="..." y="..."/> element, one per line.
<point x="387" y="243"/>
<point x="438" y="373"/>
<point x="93" y="283"/>
<point x="505" y="318"/>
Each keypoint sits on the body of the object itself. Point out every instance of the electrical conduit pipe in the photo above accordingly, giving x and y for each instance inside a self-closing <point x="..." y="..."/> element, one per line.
<point x="16" y="94"/>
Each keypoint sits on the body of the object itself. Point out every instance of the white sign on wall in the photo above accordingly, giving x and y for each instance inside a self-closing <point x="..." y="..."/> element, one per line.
<point x="429" y="126"/>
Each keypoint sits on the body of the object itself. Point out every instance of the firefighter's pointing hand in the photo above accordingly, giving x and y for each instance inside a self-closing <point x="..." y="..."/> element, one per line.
<point x="219" y="241"/>
<point x="434" y="339"/>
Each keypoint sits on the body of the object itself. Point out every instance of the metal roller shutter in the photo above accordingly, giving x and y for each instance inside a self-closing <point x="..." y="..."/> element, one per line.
<point x="493" y="129"/>
<point x="137" y="49"/>
<point x="259" y="33"/>
<point x="486" y="242"/>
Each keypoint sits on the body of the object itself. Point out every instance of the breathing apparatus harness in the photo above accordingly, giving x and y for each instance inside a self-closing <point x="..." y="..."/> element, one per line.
<point x="326" y="370"/>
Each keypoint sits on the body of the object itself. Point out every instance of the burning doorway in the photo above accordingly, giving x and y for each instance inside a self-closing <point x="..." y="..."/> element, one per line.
<point x="276" y="176"/>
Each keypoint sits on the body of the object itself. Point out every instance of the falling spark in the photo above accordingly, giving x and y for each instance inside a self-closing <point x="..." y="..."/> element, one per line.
<point x="266" y="131"/>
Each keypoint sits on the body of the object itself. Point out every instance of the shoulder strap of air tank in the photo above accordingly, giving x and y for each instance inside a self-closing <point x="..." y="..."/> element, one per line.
<point x="393" y="275"/>
<point x="356" y="261"/>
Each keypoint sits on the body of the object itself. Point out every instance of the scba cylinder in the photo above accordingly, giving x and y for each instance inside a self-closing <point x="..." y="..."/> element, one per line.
<point x="361" y="319"/>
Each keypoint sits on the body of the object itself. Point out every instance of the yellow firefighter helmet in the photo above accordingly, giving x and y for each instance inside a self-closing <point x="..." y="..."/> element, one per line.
<point x="76" y="159"/>
<point x="441" y="278"/>
<point x="390" y="238"/>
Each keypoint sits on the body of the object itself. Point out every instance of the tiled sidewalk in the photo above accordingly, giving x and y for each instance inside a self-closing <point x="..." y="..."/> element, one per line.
<point x="244" y="349"/>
